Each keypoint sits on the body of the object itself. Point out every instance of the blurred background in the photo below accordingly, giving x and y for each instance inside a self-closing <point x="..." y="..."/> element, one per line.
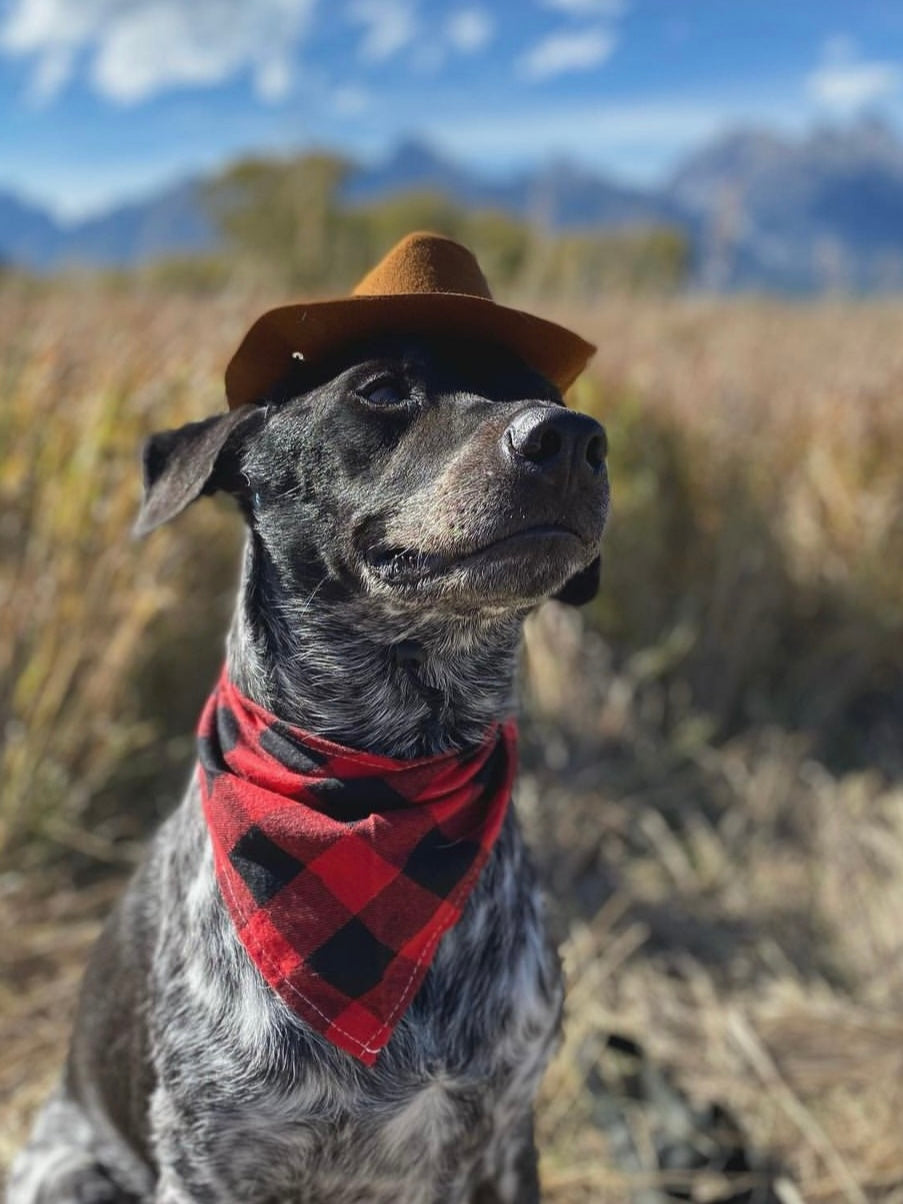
<point x="712" y="765"/>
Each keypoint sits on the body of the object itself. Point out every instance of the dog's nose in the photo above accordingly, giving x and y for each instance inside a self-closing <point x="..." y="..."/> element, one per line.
<point x="558" y="441"/>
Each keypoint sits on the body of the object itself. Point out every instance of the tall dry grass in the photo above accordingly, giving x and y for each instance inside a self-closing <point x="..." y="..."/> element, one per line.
<point x="712" y="753"/>
<point x="85" y="374"/>
<point x="759" y="508"/>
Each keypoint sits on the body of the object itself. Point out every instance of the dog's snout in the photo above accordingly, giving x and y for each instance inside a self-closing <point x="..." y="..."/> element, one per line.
<point x="556" y="440"/>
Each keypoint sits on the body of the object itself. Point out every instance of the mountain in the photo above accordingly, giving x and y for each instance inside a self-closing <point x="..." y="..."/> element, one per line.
<point x="797" y="214"/>
<point x="762" y="210"/>
<point x="175" y="220"/>
<point x="170" y="222"/>
<point x="564" y="194"/>
<point x="27" y="234"/>
<point x="557" y="194"/>
<point x="414" y="165"/>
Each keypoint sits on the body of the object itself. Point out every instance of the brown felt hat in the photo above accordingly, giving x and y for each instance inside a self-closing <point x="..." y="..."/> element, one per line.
<point x="426" y="283"/>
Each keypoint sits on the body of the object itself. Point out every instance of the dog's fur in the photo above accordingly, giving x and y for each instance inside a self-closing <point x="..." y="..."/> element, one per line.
<point x="406" y="507"/>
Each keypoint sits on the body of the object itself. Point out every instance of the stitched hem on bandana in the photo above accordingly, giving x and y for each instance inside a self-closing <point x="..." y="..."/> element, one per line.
<point x="343" y="869"/>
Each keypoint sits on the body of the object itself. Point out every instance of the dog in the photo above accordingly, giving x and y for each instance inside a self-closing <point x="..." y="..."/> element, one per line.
<point x="408" y="498"/>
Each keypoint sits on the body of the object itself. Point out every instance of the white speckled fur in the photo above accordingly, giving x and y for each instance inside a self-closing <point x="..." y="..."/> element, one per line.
<point x="188" y="1080"/>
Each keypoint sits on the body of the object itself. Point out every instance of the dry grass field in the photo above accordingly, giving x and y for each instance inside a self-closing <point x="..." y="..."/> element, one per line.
<point x="713" y="765"/>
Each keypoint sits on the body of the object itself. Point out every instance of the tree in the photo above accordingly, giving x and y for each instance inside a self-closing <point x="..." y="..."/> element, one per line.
<point x="284" y="216"/>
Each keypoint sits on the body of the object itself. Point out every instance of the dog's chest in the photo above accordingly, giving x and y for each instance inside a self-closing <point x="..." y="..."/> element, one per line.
<point x="441" y="1108"/>
<point x="414" y="1132"/>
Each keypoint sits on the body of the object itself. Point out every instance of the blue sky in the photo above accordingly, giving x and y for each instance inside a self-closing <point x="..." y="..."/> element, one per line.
<point x="105" y="99"/>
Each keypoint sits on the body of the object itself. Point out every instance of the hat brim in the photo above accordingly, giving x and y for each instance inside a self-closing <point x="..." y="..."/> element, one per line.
<point x="315" y="330"/>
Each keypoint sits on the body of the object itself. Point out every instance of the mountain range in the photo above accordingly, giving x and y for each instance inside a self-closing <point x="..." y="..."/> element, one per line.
<point x="761" y="210"/>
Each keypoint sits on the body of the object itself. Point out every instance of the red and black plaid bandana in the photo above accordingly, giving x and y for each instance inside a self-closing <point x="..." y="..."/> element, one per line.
<point x="341" y="869"/>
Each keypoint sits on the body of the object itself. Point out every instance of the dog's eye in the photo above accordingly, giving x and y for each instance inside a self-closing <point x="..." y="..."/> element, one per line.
<point x="384" y="391"/>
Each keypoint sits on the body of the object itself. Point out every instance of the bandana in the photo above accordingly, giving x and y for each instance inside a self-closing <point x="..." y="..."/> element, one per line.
<point x="341" y="869"/>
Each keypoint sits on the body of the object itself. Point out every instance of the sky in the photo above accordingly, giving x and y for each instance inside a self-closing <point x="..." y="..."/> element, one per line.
<point x="106" y="100"/>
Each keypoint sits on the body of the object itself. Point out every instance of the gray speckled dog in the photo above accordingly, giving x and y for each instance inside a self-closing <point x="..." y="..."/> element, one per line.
<point x="407" y="503"/>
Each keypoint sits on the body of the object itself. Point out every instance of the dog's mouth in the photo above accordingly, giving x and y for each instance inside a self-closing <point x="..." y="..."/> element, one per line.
<point x="412" y="566"/>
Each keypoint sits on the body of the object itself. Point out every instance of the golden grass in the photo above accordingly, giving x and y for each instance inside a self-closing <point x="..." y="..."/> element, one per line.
<point x="712" y="755"/>
<point x="738" y="918"/>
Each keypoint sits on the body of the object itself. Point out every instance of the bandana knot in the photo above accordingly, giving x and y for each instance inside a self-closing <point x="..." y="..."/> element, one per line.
<point x="342" y="869"/>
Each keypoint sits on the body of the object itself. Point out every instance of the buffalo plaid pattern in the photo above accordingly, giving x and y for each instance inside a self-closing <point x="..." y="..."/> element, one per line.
<point x="341" y="869"/>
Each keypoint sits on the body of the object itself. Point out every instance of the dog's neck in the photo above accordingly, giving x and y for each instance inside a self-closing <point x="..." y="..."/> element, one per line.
<point x="342" y="668"/>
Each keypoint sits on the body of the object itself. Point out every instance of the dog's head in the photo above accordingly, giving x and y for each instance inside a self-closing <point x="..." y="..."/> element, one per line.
<point x="422" y="472"/>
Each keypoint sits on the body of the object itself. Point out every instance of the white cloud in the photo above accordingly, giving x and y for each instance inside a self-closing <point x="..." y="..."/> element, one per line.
<point x="587" y="8"/>
<point x="845" y="82"/>
<point x="392" y="26"/>
<point x="273" y="79"/>
<point x="52" y="71"/>
<point x="136" y="48"/>
<point x="570" y="128"/>
<point x="389" y="26"/>
<point x="854" y="86"/>
<point x="563" y="53"/>
<point x="638" y="141"/>
<point x="469" y="30"/>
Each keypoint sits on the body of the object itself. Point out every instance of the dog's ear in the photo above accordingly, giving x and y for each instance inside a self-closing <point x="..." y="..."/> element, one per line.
<point x="200" y="457"/>
<point x="582" y="587"/>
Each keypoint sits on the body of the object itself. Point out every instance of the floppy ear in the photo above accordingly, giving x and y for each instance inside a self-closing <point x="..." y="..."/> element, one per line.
<point x="200" y="457"/>
<point x="583" y="586"/>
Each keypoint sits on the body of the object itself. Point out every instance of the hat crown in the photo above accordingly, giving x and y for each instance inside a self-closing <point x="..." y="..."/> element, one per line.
<point x="425" y="263"/>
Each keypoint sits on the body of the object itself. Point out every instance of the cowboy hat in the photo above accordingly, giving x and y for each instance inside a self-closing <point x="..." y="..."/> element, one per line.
<point x="425" y="283"/>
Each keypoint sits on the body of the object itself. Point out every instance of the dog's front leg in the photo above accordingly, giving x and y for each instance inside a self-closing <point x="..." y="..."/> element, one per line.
<point x="515" y="1178"/>
<point x="185" y="1177"/>
<point x="171" y="1190"/>
<point x="174" y="1188"/>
